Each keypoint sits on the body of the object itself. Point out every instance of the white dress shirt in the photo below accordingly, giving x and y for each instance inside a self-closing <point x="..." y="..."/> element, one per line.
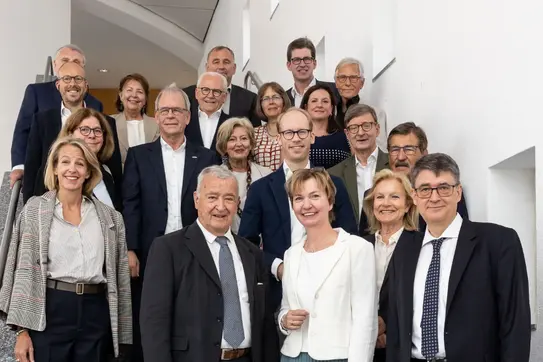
<point x="208" y="126"/>
<point x="447" y="251"/>
<point x="102" y="194"/>
<point x="174" y="165"/>
<point x="215" y="249"/>
<point x="383" y="253"/>
<point x="135" y="133"/>
<point x="297" y="230"/>
<point x="297" y="96"/>
<point x="226" y="104"/>
<point x="364" y="177"/>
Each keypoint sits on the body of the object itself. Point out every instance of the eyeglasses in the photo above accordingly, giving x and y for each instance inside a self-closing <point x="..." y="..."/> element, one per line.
<point x="408" y="150"/>
<point x="177" y="111"/>
<point x="275" y="99"/>
<point x="351" y="78"/>
<point x="444" y="190"/>
<point x="68" y="79"/>
<point x="306" y="60"/>
<point x="302" y="134"/>
<point x="366" y="127"/>
<point x="85" y="131"/>
<point x="216" y="92"/>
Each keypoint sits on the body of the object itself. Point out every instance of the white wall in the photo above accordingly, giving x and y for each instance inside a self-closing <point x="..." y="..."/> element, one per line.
<point x="468" y="71"/>
<point x="30" y="31"/>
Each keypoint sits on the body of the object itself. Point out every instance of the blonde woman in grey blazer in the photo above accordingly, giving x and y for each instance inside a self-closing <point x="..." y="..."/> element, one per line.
<point x="134" y="127"/>
<point x="66" y="284"/>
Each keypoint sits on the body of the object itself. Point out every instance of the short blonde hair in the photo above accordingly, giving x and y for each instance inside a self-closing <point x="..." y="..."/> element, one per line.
<point x="411" y="217"/>
<point x="227" y="128"/>
<point x="82" y="114"/>
<point x="295" y="109"/>
<point x="93" y="166"/>
<point x="323" y="179"/>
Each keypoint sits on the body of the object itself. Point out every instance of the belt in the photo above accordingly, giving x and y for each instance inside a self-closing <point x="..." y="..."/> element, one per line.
<point x="230" y="354"/>
<point x="77" y="288"/>
<point x="429" y="360"/>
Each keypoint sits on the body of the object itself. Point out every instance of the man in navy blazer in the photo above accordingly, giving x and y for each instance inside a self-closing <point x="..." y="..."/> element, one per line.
<point x="268" y="213"/>
<point x="41" y="97"/>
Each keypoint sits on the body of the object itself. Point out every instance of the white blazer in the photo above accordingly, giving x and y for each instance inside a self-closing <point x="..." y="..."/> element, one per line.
<point x="343" y="323"/>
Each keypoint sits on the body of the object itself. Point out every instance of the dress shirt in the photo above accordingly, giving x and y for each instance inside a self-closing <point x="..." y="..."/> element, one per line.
<point x="174" y="165"/>
<point x="215" y="248"/>
<point x="65" y="112"/>
<point x="297" y="230"/>
<point x="102" y="194"/>
<point x="226" y="104"/>
<point x="208" y="125"/>
<point x="297" y="96"/>
<point x="135" y="133"/>
<point x="383" y="253"/>
<point x="364" y="177"/>
<point x="76" y="252"/>
<point x="447" y="251"/>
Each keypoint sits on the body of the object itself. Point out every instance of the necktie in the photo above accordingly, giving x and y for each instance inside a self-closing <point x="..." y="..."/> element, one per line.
<point x="233" y="324"/>
<point x="428" y="324"/>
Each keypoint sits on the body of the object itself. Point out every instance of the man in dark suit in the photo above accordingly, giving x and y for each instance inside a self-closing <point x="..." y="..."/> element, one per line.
<point x="239" y="102"/>
<point x="459" y="293"/>
<point x="207" y="113"/>
<point x="301" y="62"/>
<point x="205" y="291"/>
<point x="41" y="97"/>
<point x="268" y="213"/>
<point x="159" y="179"/>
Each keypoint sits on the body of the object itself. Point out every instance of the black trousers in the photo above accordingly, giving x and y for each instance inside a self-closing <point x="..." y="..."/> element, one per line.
<point x="136" y="286"/>
<point x="77" y="328"/>
<point x="380" y="355"/>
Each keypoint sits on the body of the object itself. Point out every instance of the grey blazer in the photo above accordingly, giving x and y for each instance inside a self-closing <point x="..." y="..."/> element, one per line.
<point x="22" y="295"/>
<point x="150" y="129"/>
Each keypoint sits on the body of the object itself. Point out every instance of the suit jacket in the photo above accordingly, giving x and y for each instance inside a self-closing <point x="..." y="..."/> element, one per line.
<point x="267" y="214"/>
<point x="38" y="97"/>
<point x="488" y="305"/>
<point x="150" y="129"/>
<point x="145" y="195"/>
<point x="182" y="305"/>
<point x="346" y="171"/>
<point x="22" y="296"/>
<point x="332" y="86"/>
<point x="345" y="302"/>
<point x="193" y="132"/>
<point x="242" y="103"/>
<point x="44" y="132"/>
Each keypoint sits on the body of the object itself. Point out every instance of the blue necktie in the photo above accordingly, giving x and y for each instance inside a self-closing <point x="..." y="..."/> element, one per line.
<point x="428" y="323"/>
<point x="233" y="324"/>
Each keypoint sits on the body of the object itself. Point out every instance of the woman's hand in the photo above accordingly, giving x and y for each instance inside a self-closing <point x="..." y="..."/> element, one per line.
<point x="24" y="351"/>
<point x="294" y="319"/>
<point x="133" y="264"/>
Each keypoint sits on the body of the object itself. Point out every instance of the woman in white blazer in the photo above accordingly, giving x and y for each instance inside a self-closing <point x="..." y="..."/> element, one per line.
<point x="329" y="306"/>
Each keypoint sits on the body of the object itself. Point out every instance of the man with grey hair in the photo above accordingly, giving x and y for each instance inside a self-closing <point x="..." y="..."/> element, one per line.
<point x="459" y="292"/>
<point x="159" y="179"/>
<point x="239" y="102"/>
<point x="40" y="97"/>
<point x="205" y="292"/>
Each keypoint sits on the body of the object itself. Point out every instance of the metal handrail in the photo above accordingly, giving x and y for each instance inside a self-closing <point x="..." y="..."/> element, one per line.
<point x="49" y="73"/>
<point x="253" y="78"/>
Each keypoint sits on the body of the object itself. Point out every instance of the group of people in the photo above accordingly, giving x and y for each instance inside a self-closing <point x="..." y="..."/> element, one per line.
<point x="234" y="226"/>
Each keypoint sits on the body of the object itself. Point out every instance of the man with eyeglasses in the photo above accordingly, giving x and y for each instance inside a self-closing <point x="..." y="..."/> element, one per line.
<point x="41" y="97"/>
<point x="301" y="62"/>
<point x="268" y="213"/>
<point x="159" y="180"/>
<point x="207" y="114"/>
<point x="459" y="292"/>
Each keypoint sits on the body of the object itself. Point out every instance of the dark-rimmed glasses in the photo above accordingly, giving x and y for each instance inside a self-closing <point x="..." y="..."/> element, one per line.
<point x="302" y="134"/>
<point x="366" y="127"/>
<point x="443" y="190"/>
<point x="408" y="150"/>
<point x="85" y="131"/>
<point x="68" y="79"/>
<point x="216" y="92"/>
<point x="177" y="111"/>
<point x="306" y="60"/>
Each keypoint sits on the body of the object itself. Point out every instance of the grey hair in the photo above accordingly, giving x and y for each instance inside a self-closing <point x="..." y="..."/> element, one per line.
<point x="224" y="81"/>
<point x="436" y="163"/>
<point x="350" y="61"/>
<point x="218" y="48"/>
<point x="358" y="110"/>
<point x="218" y="171"/>
<point x="173" y="88"/>
<point x="73" y="47"/>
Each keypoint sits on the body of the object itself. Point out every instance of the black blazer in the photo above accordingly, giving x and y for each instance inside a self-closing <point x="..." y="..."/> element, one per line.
<point x="182" y="307"/>
<point x="193" y="132"/>
<point x="488" y="304"/>
<point x="38" y="97"/>
<point x="145" y="196"/>
<point x="43" y="133"/>
<point x="332" y="86"/>
<point x="242" y="103"/>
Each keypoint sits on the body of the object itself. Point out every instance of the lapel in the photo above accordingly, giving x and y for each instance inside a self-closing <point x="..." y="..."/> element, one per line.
<point x="193" y="130"/>
<point x="349" y="175"/>
<point x="277" y="184"/>
<point x="191" y="160"/>
<point x="108" y="181"/>
<point x="157" y="163"/>
<point x="249" y="268"/>
<point x="382" y="161"/>
<point x="410" y="251"/>
<point x="196" y="243"/>
<point x="46" y="210"/>
<point x="234" y="99"/>
<point x="222" y="118"/>
<point x="122" y="133"/>
<point x="150" y="129"/>
<point x="467" y="239"/>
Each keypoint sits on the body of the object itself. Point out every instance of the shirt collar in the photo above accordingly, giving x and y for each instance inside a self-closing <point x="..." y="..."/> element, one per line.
<point x="288" y="171"/>
<point x="217" y="113"/>
<point x="210" y="238"/>
<point x="295" y="92"/>
<point x="65" y="111"/>
<point x="393" y="238"/>
<point x="371" y="159"/>
<point x="166" y="146"/>
<point x="83" y="201"/>
<point x="452" y="231"/>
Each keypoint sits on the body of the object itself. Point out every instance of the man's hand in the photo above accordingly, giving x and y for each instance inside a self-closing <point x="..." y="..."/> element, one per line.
<point x="381" y="341"/>
<point x="15" y="176"/>
<point x="280" y="271"/>
<point x="382" y="327"/>
<point x="133" y="264"/>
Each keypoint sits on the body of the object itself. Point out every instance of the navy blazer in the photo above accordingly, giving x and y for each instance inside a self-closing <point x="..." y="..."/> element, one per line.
<point x="267" y="213"/>
<point x="145" y="196"/>
<point x="193" y="132"/>
<point x="38" y="97"/>
<point x="332" y="86"/>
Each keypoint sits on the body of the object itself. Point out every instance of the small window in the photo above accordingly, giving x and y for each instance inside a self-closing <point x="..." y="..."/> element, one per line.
<point x="273" y="7"/>
<point x="246" y="28"/>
